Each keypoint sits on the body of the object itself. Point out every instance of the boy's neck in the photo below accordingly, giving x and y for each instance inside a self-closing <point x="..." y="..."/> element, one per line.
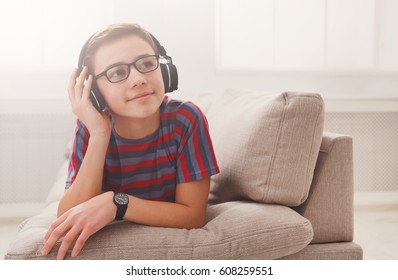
<point x="135" y="129"/>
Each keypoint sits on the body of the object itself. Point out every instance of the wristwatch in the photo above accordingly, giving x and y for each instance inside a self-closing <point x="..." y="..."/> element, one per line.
<point x="121" y="201"/>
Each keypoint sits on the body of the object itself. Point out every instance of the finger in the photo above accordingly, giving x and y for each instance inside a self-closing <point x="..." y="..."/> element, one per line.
<point x="80" y="242"/>
<point x="87" y="88"/>
<point x="67" y="242"/>
<point x="55" y="235"/>
<point x="83" y="74"/>
<point x="71" y="85"/>
<point x="54" y="226"/>
<point x="80" y="83"/>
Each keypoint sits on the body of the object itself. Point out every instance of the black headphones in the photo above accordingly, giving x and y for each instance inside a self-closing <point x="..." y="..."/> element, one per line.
<point x="169" y="74"/>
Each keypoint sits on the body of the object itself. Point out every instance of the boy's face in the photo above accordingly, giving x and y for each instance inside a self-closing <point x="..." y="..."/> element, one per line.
<point x="140" y="95"/>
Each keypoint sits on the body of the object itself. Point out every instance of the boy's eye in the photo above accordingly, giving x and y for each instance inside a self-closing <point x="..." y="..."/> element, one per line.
<point x="147" y="64"/>
<point x="117" y="72"/>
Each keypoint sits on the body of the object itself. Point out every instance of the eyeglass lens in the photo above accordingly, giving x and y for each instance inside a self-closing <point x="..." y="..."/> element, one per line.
<point x="143" y="65"/>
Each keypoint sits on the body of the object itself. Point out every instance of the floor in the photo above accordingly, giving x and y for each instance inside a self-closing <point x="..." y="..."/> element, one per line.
<point x="377" y="233"/>
<point x="376" y="226"/>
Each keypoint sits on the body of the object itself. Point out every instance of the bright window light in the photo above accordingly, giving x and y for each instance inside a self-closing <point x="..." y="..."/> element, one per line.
<point x="45" y="34"/>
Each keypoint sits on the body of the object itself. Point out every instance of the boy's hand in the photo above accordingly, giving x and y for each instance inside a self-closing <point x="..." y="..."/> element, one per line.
<point x="79" y="223"/>
<point x="79" y="96"/>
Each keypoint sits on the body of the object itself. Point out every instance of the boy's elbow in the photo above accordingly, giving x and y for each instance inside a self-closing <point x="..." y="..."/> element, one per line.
<point x="197" y="222"/>
<point x="198" y="225"/>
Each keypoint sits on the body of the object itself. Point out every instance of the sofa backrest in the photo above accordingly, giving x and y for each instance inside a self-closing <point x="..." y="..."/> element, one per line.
<point x="266" y="144"/>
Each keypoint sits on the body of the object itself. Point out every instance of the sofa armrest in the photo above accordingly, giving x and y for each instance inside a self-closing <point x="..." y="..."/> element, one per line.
<point x="329" y="206"/>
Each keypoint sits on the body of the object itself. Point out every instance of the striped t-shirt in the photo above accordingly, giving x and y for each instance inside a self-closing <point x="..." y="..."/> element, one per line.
<point x="179" y="151"/>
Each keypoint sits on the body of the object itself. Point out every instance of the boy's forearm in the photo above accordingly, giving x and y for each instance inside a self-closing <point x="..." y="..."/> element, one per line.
<point x="164" y="214"/>
<point x="188" y="211"/>
<point x="88" y="182"/>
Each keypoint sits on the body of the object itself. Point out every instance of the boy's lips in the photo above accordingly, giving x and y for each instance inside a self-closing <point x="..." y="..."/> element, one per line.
<point x="140" y="95"/>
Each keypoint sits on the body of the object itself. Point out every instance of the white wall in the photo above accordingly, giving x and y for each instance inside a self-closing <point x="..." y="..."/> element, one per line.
<point x="187" y="30"/>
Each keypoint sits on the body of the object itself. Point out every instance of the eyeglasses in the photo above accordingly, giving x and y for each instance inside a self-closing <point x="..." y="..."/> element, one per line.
<point x="121" y="72"/>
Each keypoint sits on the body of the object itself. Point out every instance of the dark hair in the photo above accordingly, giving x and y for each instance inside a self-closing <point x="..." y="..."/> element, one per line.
<point x="112" y="33"/>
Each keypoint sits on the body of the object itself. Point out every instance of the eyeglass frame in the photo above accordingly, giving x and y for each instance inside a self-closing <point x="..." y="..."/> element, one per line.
<point x="103" y="73"/>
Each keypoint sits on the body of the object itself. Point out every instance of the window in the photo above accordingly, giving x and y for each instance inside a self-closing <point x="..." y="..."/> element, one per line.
<point x="45" y="34"/>
<point x="307" y="35"/>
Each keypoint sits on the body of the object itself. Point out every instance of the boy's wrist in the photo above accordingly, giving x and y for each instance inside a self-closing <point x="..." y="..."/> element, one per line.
<point x="121" y="201"/>
<point x="110" y="195"/>
<point x="100" y="137"/>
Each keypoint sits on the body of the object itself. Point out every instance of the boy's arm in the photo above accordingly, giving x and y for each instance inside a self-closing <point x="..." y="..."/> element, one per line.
<point x="82" y="221"/>
<point x="189" y="211"/>
<point x="88" y="182"/>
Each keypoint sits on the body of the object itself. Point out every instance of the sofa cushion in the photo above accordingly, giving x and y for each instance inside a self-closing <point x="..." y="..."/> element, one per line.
<point x="234" y="230"/>
<point x="266" y="144"/>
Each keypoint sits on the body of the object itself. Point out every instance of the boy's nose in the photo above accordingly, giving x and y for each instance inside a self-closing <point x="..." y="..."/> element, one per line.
<point x="136" y="78"/>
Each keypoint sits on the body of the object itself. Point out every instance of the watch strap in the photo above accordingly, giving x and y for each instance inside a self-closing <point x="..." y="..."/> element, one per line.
<point x="120" y="208"/>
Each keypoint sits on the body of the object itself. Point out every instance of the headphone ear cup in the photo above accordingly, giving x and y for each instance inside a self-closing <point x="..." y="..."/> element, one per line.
<point x="173" y="77"/>
<point x="166" y="78"/>
<point x="170" y="77"/>
<point x="97" y="99"/>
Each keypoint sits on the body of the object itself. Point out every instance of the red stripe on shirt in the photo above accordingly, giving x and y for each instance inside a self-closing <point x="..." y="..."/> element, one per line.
<point x="143" y="164"/>
<point x="147" y="183"/>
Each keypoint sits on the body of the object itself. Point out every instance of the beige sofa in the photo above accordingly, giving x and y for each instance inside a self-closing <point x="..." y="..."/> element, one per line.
<point x="285" y="191"/>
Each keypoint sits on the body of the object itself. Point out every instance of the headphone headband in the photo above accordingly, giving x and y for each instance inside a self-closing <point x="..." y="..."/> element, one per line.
<point x="159" y="47"/>
<point x="162" y="51"/>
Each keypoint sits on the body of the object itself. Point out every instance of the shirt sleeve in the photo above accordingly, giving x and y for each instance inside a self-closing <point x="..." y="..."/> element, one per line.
<point x="195" y="156"/>
<point x="79" y="149"/>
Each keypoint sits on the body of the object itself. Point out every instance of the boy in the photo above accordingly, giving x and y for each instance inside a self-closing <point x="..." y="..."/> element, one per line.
<point x="147" y="159"/>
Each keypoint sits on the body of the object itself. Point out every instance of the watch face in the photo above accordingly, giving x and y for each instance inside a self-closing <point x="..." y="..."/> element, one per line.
<point x="121" y="198"/>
